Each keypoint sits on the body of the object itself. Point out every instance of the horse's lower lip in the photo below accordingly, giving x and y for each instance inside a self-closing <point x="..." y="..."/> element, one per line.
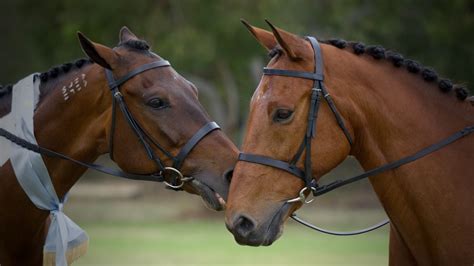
<point x="211" y="199"/>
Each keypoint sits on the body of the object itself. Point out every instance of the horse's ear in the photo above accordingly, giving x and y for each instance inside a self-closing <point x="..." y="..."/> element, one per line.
<point x="285" y="39"/>
<point x="126" y="34"/>
<point x="98" y="53"/>
<point x="265" y="38"/>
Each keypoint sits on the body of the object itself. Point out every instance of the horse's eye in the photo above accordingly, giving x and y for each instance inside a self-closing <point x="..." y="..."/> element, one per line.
<point x="157" y="103"/>
<point x="282" y="115"/>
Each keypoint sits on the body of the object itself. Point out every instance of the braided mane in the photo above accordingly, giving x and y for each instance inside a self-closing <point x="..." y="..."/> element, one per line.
<point x="5" y="90"/>
<point x="380" y="53"/>
<point x="57" y="71"/>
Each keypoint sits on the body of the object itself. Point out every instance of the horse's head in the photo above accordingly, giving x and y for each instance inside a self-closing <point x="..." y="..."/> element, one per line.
<point x="257" y="207"/>
<point x="166" y="110"/>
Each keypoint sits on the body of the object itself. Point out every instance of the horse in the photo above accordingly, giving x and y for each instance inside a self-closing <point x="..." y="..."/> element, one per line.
<point x="388" y="107"/>
<point x="74" y="116"/>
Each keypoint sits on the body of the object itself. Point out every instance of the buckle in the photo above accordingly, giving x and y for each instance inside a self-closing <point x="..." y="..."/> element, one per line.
<point x="302" y="197"/>
<point x="176" y="176"/>
<point x="118" y="94"/>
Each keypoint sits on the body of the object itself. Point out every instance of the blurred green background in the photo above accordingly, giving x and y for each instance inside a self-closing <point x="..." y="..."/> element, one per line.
<point x="205" y="41"/>
<point x="132" y="223"/>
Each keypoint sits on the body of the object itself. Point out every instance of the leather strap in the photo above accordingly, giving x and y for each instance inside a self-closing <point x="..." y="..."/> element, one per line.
<point x="116" y="83"/>
<point x="337" y="233"/>
<point x="420" y="154"/>
<point x="137" y="130"/>
<point x="318" y="57"/>
<point x="186" y="149"/>
<point x="114" y="172"/>
<point x="313" y="113"/>
<point x="292" y="73"/>
<point x="338" y="117"/>
<point x="318" y="191"/>
<point x="311" y="133"/>
<point x="117" y="97"/>
<point x="299" y="152"/>
<point x="260" y="159"/>
<point x="112" y="129"/>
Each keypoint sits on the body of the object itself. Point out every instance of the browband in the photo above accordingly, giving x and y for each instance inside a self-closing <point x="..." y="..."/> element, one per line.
<point x="116" y="83"/>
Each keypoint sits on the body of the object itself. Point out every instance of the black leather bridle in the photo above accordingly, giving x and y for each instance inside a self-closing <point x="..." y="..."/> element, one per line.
<point x="170" y="175"/>
<point x="144" y="137"/>
<point x="317" y="91"/>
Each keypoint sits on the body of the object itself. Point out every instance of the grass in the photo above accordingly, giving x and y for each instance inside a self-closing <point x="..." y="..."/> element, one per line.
<point x="168" y="228"/>
<point x="209" y="243"/>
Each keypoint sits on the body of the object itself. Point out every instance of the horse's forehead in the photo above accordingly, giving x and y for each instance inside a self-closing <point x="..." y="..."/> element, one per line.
<point x="276" y="89"/>
<point x="132" y="60"/>
<point x="285" y="89"/>
<point x="165" y="79"/>
<point x="165" y="75"/>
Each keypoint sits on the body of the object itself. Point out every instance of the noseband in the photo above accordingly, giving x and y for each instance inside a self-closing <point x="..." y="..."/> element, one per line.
<point x="165" y="173"/>
<point x="306" y="174"/>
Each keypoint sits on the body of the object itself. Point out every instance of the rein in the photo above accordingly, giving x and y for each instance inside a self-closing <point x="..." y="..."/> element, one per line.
<point x="306" y="174"/>
<point x="173" y="171"/>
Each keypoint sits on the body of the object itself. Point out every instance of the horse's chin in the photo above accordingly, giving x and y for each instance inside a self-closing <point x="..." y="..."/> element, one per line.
<point x="266" y="235"/>
<point x="211" y="199"/>
<point x="266" y="240"/>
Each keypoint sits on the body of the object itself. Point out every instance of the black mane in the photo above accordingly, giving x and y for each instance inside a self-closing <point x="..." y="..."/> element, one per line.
<point x="139" y="45"/>
<point x="56" y="71"/>
<point x="5" y="99"/>
<point x="5" y="90"/>
<point x="427" y="73"/>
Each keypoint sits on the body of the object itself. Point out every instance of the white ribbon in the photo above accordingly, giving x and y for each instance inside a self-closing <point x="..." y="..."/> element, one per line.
<point x="33" y="175"/>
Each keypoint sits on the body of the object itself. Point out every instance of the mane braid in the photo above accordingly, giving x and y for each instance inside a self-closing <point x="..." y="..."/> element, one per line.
<point x="5" y="90"/>
<point x="57" y="71"/>
<point x="54" y="72"/>
<point x="379" y="53"/>
<point x="5" y="99"/>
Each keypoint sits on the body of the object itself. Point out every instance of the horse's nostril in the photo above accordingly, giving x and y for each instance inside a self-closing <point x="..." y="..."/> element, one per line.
<point x="244" y="226"/>
<point x="228" y="174"/>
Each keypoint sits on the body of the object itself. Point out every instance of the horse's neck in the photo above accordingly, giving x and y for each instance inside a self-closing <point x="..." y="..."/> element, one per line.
<point x="71" y="119"/>
<point x="394" y="114"/>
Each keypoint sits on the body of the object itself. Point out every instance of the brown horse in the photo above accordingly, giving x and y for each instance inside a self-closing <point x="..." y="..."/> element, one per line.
<point x="391" y="108"/>
<point x="78" y="125"/>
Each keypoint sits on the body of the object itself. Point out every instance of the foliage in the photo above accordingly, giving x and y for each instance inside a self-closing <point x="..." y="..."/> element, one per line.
<point x="203" y="37"/>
